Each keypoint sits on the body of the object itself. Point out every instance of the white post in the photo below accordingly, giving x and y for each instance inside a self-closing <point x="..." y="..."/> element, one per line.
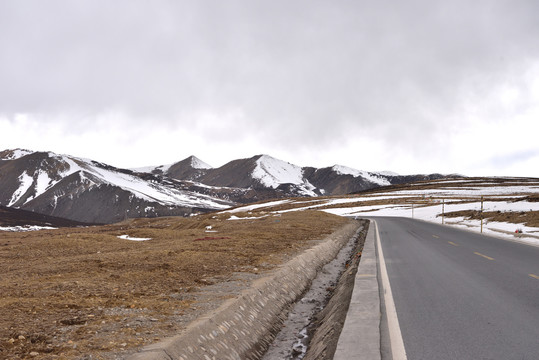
<point x="443" y="210"/>
<point x="481" y="213"/>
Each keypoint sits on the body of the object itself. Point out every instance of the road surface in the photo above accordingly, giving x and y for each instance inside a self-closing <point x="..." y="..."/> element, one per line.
<point x="461" y="295"/>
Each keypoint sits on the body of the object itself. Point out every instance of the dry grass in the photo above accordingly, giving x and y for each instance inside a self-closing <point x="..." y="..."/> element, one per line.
<point x="73" y="292"/>
<point x="528" y="218"/>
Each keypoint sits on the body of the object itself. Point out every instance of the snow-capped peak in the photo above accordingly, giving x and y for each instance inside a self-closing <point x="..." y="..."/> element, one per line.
<point x="372" y="177"/>
<point x="272" y="172"/>
<point x="196" y="163"/>
<point x="14" y="154"/>
<point x="387" y="173"/>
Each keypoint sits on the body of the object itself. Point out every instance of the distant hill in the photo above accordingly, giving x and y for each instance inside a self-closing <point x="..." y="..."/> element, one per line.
<point x="18" y="217"/>
<point x="89" y="191"/>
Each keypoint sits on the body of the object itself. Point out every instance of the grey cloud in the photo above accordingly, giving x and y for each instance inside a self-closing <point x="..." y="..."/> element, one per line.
<point x="315" y="68"/>
<point x="512" y="158"/>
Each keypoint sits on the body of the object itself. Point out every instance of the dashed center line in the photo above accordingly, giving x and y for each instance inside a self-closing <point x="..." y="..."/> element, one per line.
<point x="435" y="236"/>
<point x="452" y="243"/>
<point x="486" y="257"/>
<point x="534" y="276"/>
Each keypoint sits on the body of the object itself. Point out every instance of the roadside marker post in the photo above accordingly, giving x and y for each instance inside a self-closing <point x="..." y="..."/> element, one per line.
<point x="481" y="214"/>
<point x="443" y="210"/>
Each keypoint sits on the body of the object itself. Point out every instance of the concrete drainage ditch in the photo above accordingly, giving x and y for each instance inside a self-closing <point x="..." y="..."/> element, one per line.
<point x="305" y="318"/>
<point x="246" y="327"/>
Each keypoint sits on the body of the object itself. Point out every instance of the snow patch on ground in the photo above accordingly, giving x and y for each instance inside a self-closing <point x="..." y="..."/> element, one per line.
<point x="433" y="214"/>
<point x="258" y="206"/>
<point x="127" y="237"/>
<point x="428" y="204"/>
<point x="234" y="217"/>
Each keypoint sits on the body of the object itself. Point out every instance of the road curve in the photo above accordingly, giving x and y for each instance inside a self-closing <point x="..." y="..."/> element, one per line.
<point x="461" y="295"/>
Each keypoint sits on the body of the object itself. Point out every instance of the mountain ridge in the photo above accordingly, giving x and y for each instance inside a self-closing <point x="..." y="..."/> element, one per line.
<point x="90" y="191"/>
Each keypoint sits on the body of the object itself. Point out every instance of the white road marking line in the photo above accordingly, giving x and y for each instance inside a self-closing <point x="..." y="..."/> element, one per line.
<point x="397" y="344"/>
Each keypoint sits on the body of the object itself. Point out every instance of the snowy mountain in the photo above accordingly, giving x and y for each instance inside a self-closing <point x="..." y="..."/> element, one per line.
<point x="273" y="173"/>
<point x="190" y="168"/>
<point x="268" y="176"/>
<point x="89" y="191"/>
<point x="274" y="178"/>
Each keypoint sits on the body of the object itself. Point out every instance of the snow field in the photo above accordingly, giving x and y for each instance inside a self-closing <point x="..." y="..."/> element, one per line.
<point x="429" y="208"/>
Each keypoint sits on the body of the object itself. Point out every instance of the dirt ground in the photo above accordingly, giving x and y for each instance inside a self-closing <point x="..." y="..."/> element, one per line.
<point x="84" y="293"/>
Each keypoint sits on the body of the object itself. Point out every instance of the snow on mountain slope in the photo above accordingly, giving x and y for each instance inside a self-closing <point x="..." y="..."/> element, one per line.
<point x="387" y="173"/>
<point x="160" y="169"/>
<point x="152" y="191"/>
<point x="14" y="154"/>
<point x="25" y="182"/>
<point x="273" y="172"/>
<point x="196" y="163"/>
<point x="48" y="169"/>
<point x="190" y="168"/>
<point x="372" y="177"/>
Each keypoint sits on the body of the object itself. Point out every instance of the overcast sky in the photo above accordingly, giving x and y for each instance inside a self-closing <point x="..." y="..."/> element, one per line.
<point x="415" y="86"/>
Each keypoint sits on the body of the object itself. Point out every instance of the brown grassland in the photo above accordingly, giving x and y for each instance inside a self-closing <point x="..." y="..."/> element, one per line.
<point x="76" y="292"/>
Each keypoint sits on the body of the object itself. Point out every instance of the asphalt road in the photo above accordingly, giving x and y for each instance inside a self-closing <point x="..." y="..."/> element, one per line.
<point x="461" y="295"/>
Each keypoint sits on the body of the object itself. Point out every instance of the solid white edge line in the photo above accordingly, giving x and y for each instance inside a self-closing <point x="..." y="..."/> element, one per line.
<point x="398" y="351"/>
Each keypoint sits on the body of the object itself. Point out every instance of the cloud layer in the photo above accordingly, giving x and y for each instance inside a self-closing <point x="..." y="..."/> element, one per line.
<point x="376" y="85"/>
